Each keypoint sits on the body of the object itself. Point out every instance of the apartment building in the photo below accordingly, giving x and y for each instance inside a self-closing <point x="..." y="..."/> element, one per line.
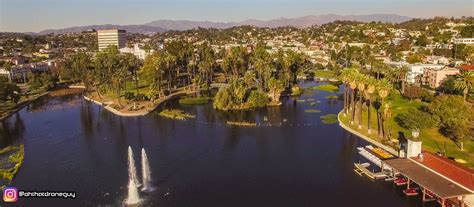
<point x="434" y="77"/>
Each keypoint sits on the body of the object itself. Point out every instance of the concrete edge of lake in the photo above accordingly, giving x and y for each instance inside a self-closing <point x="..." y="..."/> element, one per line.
<point x="115" y="111"/>
<point x="370" y="140"/>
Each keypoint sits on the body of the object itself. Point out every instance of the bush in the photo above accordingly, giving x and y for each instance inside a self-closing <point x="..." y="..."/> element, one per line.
<point x="427" y="97"/>
<point x="129" y="96"/>
<point x="258" y="99"/>
<point x="416" y="119"/>
<point x="296" y="90"/>
<point x="139" y="97"/>
<point x="413" y="92"/>
<point x="223" y="99"/>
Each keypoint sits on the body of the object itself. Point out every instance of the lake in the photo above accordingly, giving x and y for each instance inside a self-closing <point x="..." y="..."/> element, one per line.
<point x="290" y="159"/>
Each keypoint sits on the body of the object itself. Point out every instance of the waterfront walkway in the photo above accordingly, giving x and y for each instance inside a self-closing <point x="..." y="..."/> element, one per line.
<point x="372" y="141"/>
<point x="153" y="106"/>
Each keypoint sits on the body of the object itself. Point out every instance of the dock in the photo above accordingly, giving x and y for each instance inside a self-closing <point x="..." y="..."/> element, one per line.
<point x="361" y="169"/>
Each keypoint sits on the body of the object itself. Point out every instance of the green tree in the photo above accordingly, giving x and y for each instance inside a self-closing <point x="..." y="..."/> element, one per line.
<point x="465" y="83"/>
<point x="416" y="119"/>
<point x="455" y="116"/>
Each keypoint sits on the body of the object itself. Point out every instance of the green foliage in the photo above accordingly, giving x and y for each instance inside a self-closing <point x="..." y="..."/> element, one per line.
<point x="326" y="87"/>
<point x="176" y="114"/>
<point x="8" y="91"/>
<point x="223" y="99"/>
<point x="15" y="155"/>
<point x="415" y="58"/>
<point x="324" y="74"/>
<point x="455" y="116"/>
<point x="194" y="100"/>
<point x="329" y="119"/>
<point x="296" y="90"/>
<point x="467" y="31"/>
<point x="416" y="119"/>
<point x="258" y="99"/>
<point x="413" y="92"/>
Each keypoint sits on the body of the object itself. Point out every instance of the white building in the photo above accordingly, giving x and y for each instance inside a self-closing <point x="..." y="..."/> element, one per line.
<point x="467" y="41"/>
<point x="416" y="71"/>
<point x="137" y="51"/>
<point x="111" y="37"/>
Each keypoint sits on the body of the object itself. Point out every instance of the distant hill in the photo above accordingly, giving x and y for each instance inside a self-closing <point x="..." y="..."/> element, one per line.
<point x="143" y="29"/>
<point x="301" y="22"/>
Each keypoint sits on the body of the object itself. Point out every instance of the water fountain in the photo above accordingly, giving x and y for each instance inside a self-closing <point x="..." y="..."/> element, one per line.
<point x="146" y="173"/>
<point x="133" y="196"/>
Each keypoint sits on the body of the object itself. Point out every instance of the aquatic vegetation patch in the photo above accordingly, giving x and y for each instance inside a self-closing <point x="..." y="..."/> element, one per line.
<point x="296" y="90"/>
<point x="241" y="123"/>
<point x="326" y="87"/>
<point x="301" y="100"/>
<point x="11" y="158"/>
<point x="176" y="114"/>
<point x="332" y="97"/>
<point x="329" y="119"/>
<point x="312" y="111"/>
<point x="194" y="100"/>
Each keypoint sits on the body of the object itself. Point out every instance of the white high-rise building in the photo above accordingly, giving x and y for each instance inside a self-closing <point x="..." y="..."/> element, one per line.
<point x="111" y="37"/>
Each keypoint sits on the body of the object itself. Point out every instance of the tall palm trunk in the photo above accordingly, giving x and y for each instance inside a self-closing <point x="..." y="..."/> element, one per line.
<point x="354" y="93"/>
<point x="368" y="114"/>
<point x="360" y="109"/>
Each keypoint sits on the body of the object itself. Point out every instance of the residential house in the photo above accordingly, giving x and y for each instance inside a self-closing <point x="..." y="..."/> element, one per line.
<point x="416" y="71"/>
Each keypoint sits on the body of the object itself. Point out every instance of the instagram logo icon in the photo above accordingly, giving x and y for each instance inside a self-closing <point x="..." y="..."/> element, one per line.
<point x="10" y="194"/>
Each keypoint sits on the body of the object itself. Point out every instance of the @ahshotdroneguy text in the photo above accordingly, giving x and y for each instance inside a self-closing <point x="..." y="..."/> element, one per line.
<point x="46" y="194"/>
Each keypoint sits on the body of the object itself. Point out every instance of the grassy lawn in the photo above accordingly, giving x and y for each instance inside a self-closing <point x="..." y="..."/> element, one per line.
<point x="433" y="141"/>
<point x="324" y="74"/>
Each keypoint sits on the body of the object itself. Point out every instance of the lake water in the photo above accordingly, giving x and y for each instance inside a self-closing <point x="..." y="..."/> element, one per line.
<point x="74" y="145"/>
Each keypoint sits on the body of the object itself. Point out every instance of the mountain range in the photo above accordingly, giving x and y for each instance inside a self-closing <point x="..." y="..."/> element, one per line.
<point x="300" y="22"/>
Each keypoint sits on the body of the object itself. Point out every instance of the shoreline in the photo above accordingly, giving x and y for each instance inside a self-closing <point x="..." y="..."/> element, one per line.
<point x="21" y="105"/>
<point x="142" y="112"/>
<point x="368" y="139"/>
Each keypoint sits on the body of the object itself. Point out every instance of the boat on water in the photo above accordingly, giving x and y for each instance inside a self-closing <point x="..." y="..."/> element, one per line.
<point x="410" y="192"/>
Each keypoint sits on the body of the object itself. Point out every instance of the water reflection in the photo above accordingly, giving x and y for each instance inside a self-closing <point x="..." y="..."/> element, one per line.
<point x="11" y="130"/>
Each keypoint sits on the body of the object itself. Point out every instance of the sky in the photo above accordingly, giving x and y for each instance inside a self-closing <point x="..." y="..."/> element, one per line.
<point x="37" y="15"/>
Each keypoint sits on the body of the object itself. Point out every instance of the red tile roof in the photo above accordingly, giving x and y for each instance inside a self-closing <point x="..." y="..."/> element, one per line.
<point x="466" y="67"/>
<point x="448" y="168"/>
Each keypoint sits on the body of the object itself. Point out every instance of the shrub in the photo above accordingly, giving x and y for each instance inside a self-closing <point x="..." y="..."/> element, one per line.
<point x="413" y="92"/>
<point x="129" y="96"/>
<point x="416" y="119"/>
<point x="258" y="99"/>
<point x="223" y="99"/>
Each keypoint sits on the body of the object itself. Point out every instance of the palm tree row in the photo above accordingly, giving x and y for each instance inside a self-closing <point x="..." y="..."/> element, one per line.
<point x="359" y="89"/>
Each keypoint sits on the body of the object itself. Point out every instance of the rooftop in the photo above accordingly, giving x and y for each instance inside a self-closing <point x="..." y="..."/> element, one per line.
<point x="459" y="174"/>
<point x="467" y="67"/>
<point x="434" y="182"/>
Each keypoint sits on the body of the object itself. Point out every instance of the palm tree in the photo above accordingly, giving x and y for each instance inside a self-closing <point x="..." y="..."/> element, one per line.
<point x="384" y="88"/>
<point x="353" y="86"/>
<point x="370" y="90"/>
<point x="361" y="88"/>
<point x="345" y="77"/>
<point x="465" y="83"/>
